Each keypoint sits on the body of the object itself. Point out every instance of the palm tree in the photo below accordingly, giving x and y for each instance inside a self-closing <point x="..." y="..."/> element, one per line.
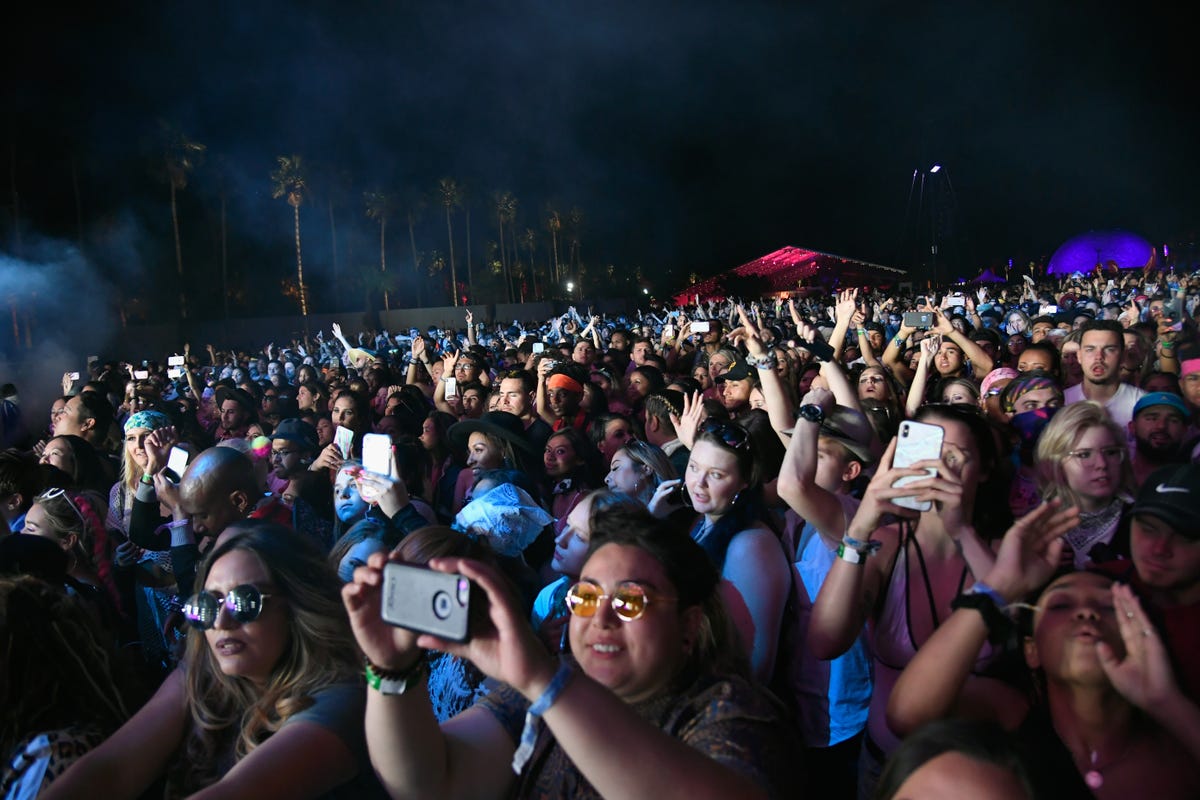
<point x="379" y="207"/>
<point x="575" y="223"/>
<point x="554" y="224"/>
<point x="180" y="156"/>
<point x="506" y="214"/>
<point x="414" y="212"/>
<point x="451" y="198"/>
<point x="529" y="239"/>
<point x="289" y="181"/>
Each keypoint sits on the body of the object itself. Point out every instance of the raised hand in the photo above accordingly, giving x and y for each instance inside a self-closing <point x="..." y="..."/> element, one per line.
<point x="384" y="645"/>
<point x="1031" y="550"/>
<point x="1143" y="675"/>
<point x="847" y="304"/>
<point x="506" y="649"/>
<point x="754" y="342"/>
<point x="688" y="423"/>
<point x="158" y="446"/>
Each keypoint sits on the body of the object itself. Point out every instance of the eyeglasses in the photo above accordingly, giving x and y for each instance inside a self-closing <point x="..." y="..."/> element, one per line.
<point x="283" y="453"/>
<point x="733" y="436"/>
<point x="628" y="600"/>
<point x="244" y="603"/>
<point x="1114" y="453"/>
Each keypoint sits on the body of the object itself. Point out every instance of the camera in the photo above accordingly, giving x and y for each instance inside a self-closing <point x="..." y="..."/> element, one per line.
<point x="426" y="601"/>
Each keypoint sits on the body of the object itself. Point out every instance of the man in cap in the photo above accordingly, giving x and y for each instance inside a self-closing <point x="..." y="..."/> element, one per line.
<point x="736" y="383"/>
<point x="1165" y="546"/>
<point x="1158" y="427"/>
<point x="830" y="447"/>
<point x="236" y="409"/>
<point x="294" y="446"/>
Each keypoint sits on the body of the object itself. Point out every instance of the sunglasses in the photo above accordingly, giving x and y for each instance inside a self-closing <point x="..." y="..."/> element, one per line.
<point x="244" y="603"/>
<point x="733" y="436"/>
<point x="628" y="600"/>
<point x="51" y="494"/>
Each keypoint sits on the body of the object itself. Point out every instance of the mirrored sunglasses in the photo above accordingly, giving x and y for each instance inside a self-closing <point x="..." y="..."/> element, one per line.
<point x="244" y="603"/>
<point x="628" y="600"/>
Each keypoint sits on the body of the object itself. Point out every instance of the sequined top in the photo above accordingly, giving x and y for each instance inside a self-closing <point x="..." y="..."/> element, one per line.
<point x="725" y="718"/>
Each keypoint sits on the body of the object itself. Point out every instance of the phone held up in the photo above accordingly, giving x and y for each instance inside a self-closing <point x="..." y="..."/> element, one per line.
<point x="916" y="441"/>
<point x="921" y="320"/>
<point x="426" y="601"/>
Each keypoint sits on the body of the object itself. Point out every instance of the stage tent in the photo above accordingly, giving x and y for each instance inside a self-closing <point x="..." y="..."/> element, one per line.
<point x="791" y="269"/>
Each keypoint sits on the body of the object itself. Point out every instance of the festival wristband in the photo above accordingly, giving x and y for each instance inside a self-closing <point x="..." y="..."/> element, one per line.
<point x="534" y="714"/>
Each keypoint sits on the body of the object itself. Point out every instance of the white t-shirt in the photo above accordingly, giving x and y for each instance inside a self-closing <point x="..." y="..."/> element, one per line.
<point x="1119" y="407"/>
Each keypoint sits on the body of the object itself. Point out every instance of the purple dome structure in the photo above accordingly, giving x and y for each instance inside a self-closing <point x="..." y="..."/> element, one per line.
<point x="1083" y="252"/>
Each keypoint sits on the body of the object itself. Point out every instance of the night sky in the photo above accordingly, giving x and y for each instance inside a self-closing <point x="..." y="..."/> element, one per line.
<point x="693" y="136"/>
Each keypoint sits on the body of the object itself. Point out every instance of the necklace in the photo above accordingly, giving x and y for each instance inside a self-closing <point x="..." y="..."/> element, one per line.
<point x="1094" y="776"/>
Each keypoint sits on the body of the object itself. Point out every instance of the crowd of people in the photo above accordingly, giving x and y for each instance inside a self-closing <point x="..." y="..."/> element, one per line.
<point x="861" y="543"/>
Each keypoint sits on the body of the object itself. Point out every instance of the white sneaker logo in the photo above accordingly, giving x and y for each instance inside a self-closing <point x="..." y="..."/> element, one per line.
<point x="1162" y="488"/>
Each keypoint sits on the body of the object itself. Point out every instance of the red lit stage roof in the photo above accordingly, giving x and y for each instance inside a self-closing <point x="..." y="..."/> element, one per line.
<point x="791" y="269"/>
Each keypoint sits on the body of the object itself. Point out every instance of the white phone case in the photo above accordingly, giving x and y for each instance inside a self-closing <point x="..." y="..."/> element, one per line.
<point x="917" y="441"/>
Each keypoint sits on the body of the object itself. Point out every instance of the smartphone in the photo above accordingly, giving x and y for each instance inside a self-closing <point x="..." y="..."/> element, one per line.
<point x="422" y="600"/>
<point x="92" y="360"/>
<point x="74" y="376"/>
<point x="177" y="462"/>
<point x="175" y="361"/>
<point x="377" y="453"/>
<point x="141" y="374"/>
<point x="344" y="438"/>
<point x="539" y="347"/>
<point x="668" y="330"/>
<point x="174" y="372"/>
<point x="921" y="320"/>
<point x="1174" y="309"/>
<point x="700" y="327"/>
<point x="451" y="387"/>
<point x="1051" y="309"/>
<point x="917" y="441"/>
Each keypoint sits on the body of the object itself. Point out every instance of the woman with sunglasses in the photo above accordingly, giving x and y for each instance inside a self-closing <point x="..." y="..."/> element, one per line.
<point x="1082" y="459"/>
<point x="651" y="705"/>
<point x="268" y="701"/>
<point x="899" y="577"/>
<point x="723" y="483"/>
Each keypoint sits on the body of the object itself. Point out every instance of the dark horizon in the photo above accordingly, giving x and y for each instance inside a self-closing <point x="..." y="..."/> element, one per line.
<point x="692" y="140"/>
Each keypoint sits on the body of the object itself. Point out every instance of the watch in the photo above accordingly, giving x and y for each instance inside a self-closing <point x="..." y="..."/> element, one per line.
<point x="389" y="682"/>
<point x="811" y="412"/>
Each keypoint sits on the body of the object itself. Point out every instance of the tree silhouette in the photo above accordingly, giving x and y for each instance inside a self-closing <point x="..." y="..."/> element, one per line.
<point x="180" y="157"/>
<point x="554" y="225"/>
<point x="379" y="208"/>
<point x="506" y="215"/>
<point x="289" y="181"/>
<point x="451" y="198"/>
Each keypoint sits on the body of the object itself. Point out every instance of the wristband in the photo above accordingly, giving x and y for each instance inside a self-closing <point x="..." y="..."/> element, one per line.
<point x="534" y="714"/>
<point x="867" y="547"/>
<point x="850" y="555"/>
<point x="898" y="340"/>
<point x="997" y="624"/>
<point x="147" y="479"/>
<point x="395" y="682"/>
<point x="980" y="587"/>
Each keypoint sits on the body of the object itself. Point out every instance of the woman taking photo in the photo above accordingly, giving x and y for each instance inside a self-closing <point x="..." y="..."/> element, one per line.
<point x="652" y="679"/>
<point x="723" y="484"/>
<point x="268" y="701"/>
<point x="902" y="586"/>
<point x="1082" y="459"/>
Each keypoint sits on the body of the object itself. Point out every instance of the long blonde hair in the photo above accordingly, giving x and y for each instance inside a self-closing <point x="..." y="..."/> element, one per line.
<point x="1059" y="438"/>
<point x="232" y="714"/>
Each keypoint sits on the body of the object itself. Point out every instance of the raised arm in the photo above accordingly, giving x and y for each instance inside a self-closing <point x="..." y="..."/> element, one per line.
<point x="916" y="392"/>
<point x="779" y="405"/>
<point x="847" y="304"/>
<point x="129" y="761"/>
<point x="972" y="352"/>
<point x="931" y="685"/>
<point x="798" y="476"/>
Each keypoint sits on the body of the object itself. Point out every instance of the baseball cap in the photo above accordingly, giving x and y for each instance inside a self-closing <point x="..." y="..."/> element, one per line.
<point x="852" y="430"/>
<point x="1173" y="495"/>
<point x="739" y="371"/>
<point x="298" y="431"/>
<point x="1162" y="399"/>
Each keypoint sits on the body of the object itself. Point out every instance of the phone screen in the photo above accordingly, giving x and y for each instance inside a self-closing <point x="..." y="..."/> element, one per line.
<point x="451" y="387"/>
<point x="377" y="453"/>
<point x="178" y="460"/>
<point x="344" y="438"/>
